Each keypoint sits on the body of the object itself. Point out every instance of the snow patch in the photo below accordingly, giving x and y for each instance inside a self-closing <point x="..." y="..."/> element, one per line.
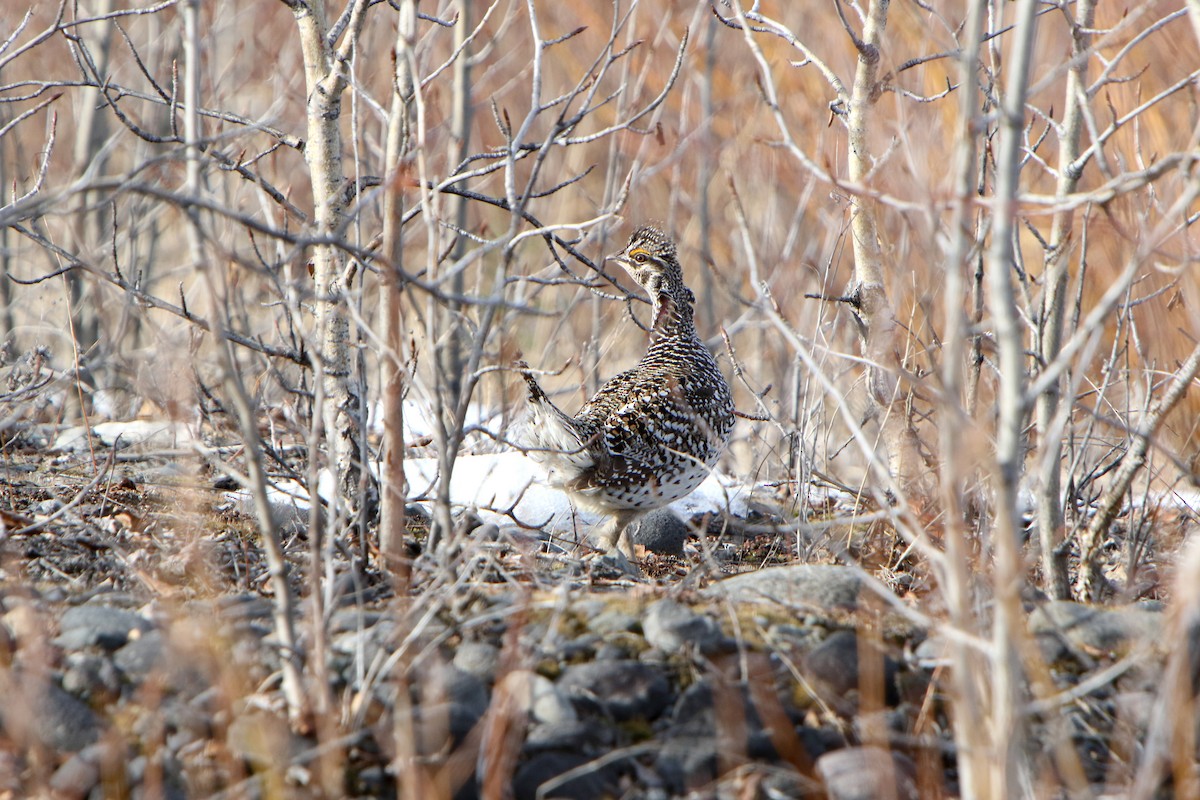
<point x="504" y="488"/>
<point x="158" y="434"/>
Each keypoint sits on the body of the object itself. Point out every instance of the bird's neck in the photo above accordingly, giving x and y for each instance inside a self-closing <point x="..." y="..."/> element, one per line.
<point x="672" y="314"/>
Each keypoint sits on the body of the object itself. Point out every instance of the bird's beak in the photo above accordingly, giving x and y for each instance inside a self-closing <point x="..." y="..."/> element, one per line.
<point x="621" y="259"/>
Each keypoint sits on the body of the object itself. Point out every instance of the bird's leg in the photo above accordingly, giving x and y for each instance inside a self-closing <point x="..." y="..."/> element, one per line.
<point x="617" y="532"/>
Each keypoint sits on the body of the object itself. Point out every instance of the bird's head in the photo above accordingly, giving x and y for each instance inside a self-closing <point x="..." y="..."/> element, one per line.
<point x="649" y="258"/>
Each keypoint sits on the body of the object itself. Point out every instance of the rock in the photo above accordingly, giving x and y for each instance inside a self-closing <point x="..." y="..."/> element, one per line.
<point x="1135" y="710"/>
<point x="449" y="704"/>
<point x="671" y="626"/>
<point x="238" y="607"/>
<point x="262" y="740"/>
<point x="610" y="621"/>
<point x="695" y="708"/>
<point x="537" y="696"/>
<point x="866" y="773"/>
<point x="834" y="665"/>
<point x="352" y="618"/>
<point x="141" y="656"/>
<point x="715" y="727"/>
<point x="95" y="625"/>
<point x="77" y="775"/>
<point x="624" y="689"/>
<point x="573" y="736"/>
<point x="686" y="763"/>
<point x="92" y="678"/>
<point x="821" y="587"/>
<point x="38" y="710"/>
<point x="613" y="565"/>
<point x="365" y="644"/>
<point x="158" y="655"/>
<point x="1098" y="631"/>
<point x="478" y="658"/>
<point x="660" y="532"/>
<point x="544" y="768"/>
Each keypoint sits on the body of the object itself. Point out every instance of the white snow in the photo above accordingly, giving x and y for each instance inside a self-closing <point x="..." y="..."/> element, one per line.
<point x="507" y="487"/>
<point x="161" y="434"/>
<point x="504" y="488"/>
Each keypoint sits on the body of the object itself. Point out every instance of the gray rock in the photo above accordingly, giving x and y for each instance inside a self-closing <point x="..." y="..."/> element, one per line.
<point x="821" y="587"/>
<point x="612" y="620"/>
<point x="91" y="677"/>
<point x="686" y="763"/>
<point x="548" y="704"/>
<point x="96" y="625"/>
<point x="442" y="727"/>
<point x="152" y="655"/>
<point x="352" y="619"/>
<point x="624" y="689"/>
<point x="671" y="626"/>
<point x="167" y="784"/>
<point x="449" y="702"/>
<point x="866" y="773"/>
<point x="478" y="658"/>
<point x="660" y="532"/>
<point x="37" y="709"/>
<point x="537" y="696"/>
<point x="141" y="656"/>
<point x="262" y="740"/>
<point x="365" y="644"/>
<point x="834" y="666"/>
<point x="726" y="714"/>
<point x="1097" y="630"/>
<point x="574" y="736"/>
<point x="1134" y="710"/>
<point x="77" y="776"/>
<point x="613" y="565"/>
<point x="611" y="651"/>
<point x="695" y="708"/>
<point x="543" y="768"/>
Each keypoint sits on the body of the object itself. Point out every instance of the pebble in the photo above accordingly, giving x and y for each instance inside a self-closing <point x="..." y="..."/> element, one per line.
<point x="671" y="627"/>
<point x="478" y="658"/>
<point x="867" y="773"/>
<point x="624" y="689"/>
<point x="823" y="587"/>
<point x="1098" y="631"/>
<point x="542" y="768"/>
<point x="834" y="665"/>
<point x="92" y="678"/>
<point x="77" y="776"/>
<point x="661" y="532"/>
<point x="96" y="625"/>
<point x="42" y="711"/>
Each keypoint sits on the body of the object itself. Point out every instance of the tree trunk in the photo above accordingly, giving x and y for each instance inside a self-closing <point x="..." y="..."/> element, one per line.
<point x="1051" y="418"/>
<point x="326" y="82"/>
<point x="1007" y="676"/>
<point x="869" y="292"/>
<point x="394" y="489"/>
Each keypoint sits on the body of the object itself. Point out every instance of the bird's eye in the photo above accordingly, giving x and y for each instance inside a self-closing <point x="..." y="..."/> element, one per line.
<point x="640" y="257"/>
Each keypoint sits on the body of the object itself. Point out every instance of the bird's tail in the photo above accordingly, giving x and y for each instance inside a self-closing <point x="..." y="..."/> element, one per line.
<point x="550" y="435"/>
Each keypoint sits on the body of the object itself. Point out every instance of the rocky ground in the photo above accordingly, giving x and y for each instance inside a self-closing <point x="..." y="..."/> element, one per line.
<point x="138" y="659"/>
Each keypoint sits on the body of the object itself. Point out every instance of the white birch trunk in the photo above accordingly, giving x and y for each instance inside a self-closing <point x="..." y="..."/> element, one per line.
<point x="1007" y="676"/>
<point x="325" y="81"/>
<point x="1051" y="417"/>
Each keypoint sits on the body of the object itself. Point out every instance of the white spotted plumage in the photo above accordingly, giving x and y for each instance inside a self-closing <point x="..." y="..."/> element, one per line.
<point x="651" y="434"/>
